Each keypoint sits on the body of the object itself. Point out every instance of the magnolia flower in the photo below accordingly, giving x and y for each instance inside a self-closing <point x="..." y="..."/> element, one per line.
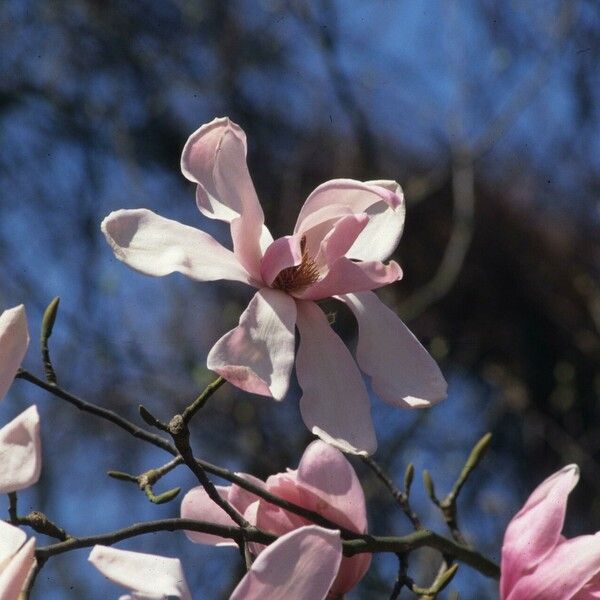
<point x="17" y="558"/>
<point x="344" y="231"/>
<point x="150" y="577"/>
<point x="324" y="482"/>
<point x="300" y="564"/>
<point x="537" y="561"/>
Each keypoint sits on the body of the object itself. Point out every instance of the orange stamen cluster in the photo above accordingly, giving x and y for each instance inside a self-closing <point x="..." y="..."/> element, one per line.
<point x="298" y="278"/>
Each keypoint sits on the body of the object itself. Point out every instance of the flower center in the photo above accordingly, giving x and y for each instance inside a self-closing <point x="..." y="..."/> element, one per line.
<point x="296" y="279"/>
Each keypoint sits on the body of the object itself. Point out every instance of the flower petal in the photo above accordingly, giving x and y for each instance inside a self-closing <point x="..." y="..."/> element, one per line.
<point x="562" y="573"/>
<point x="334" y="405"/>
<point x="197" y="505"/>
<point x="334" y="198"/>
<point x="341" y="237"/>
<point x="215" y="158"/>
<point x="283" y="253"/>
<point x="325" y="471"/>
<point x="534" y="531"/>
<point x="14" y="575"/>
<point x="157" y="246"/>
<point x="11" y="539"/>
<point x="20" y="452"/>
<point x="402" y="372"/>
<point x="384" y="230"/>
<point x="142" y="573"/>
<point x="257" y="356"/>
<point x="14" y="339"/>
<point x="301" y="564"/>
<point x="345" y="276"/>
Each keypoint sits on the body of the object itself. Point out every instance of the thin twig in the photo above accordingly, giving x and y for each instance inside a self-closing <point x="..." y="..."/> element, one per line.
<point x="371" y="544"/>
<point x="201" y="400"/>
<point x="401" y="496"/>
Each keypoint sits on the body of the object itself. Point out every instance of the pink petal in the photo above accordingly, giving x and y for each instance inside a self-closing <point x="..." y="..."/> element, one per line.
<point x="157" y="246"/>
<point x="562" y="573"/>
<point x="11" y="539"/>
<point x="326" y="473"/>
<point x="384" y="230"/>
<point x="334" y="405"/>
<point x="215" y="158"/>
<point x="301" y="564"/>
<point x="197" y="505"/>
<point x="402" y="372"/>
<point x="345" y="276"/>
<point x="142" y="573"/>
<point x="20" y="452"/>
<point x="240" y="498"/>
<point x="334" y="198"/>
<point x="283" y="253"/>
<point x="14" y="339"/>
<point x="534" y="531"/>
<point x="257" y="356"/>
<point x="341" y="237"/>
<point x="13" y="575"/>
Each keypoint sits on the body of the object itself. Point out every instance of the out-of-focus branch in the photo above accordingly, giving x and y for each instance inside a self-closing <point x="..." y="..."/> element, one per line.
<point x="463" y="193"/>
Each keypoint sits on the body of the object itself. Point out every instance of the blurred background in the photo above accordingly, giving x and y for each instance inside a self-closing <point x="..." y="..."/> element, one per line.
<point x="487" y="113"/>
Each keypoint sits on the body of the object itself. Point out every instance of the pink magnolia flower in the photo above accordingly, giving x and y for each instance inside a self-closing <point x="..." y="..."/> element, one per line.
<point x="17" y="558"/>
<point x="300" y="564"/>
<point x="538" y="563"/>
<point x="324" y="482"/>
<point x="150" y="577"/>
<point x="344" y="232"/>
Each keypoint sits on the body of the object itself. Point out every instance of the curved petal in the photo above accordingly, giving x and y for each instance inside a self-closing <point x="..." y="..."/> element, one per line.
<point x="345" y="276"/>
<point x="14" y="575"/>
<point x="325" y="471"/>
<point x="14" y="339"/>
<point x="563" y="573"/>
<point x="157" y="246"/>
<point x="283" y="253"/>
<point x="334" y="198"/>
<point x="142" y="573"/>
<point x="11" y="539"/>
<point x="257" y="356"/>
<point x="341" y="237"/>
<point x="214" y="157"/>
<point x="534" y="531"/>
<point x="20" y="452"/>
<point x="384" y="230"/>
<point x="334" y="404"/>
<point x="402" y="372"/>
<point x="197" y="505"/>
<point x="301" y="564"/>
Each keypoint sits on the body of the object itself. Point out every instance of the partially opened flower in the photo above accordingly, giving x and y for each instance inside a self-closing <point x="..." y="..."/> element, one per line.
<point x="148" y="576"/>
<point x="324" y="482"/>
<point x="17" y="558"/>
<point x="14" y="339"/>
<point x="344" y="232"/>
<point x="300" y="564"/>
<point x="20" y="452"/>
<point x="538" y="563"/>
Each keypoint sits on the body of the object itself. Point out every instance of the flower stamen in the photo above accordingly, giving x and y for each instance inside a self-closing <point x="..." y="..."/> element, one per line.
<point x="298" y="278"/>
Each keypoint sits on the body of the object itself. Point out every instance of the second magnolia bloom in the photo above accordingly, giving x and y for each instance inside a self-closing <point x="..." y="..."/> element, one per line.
<point x="344" y="232"/>
<point x="324" y="482"/>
